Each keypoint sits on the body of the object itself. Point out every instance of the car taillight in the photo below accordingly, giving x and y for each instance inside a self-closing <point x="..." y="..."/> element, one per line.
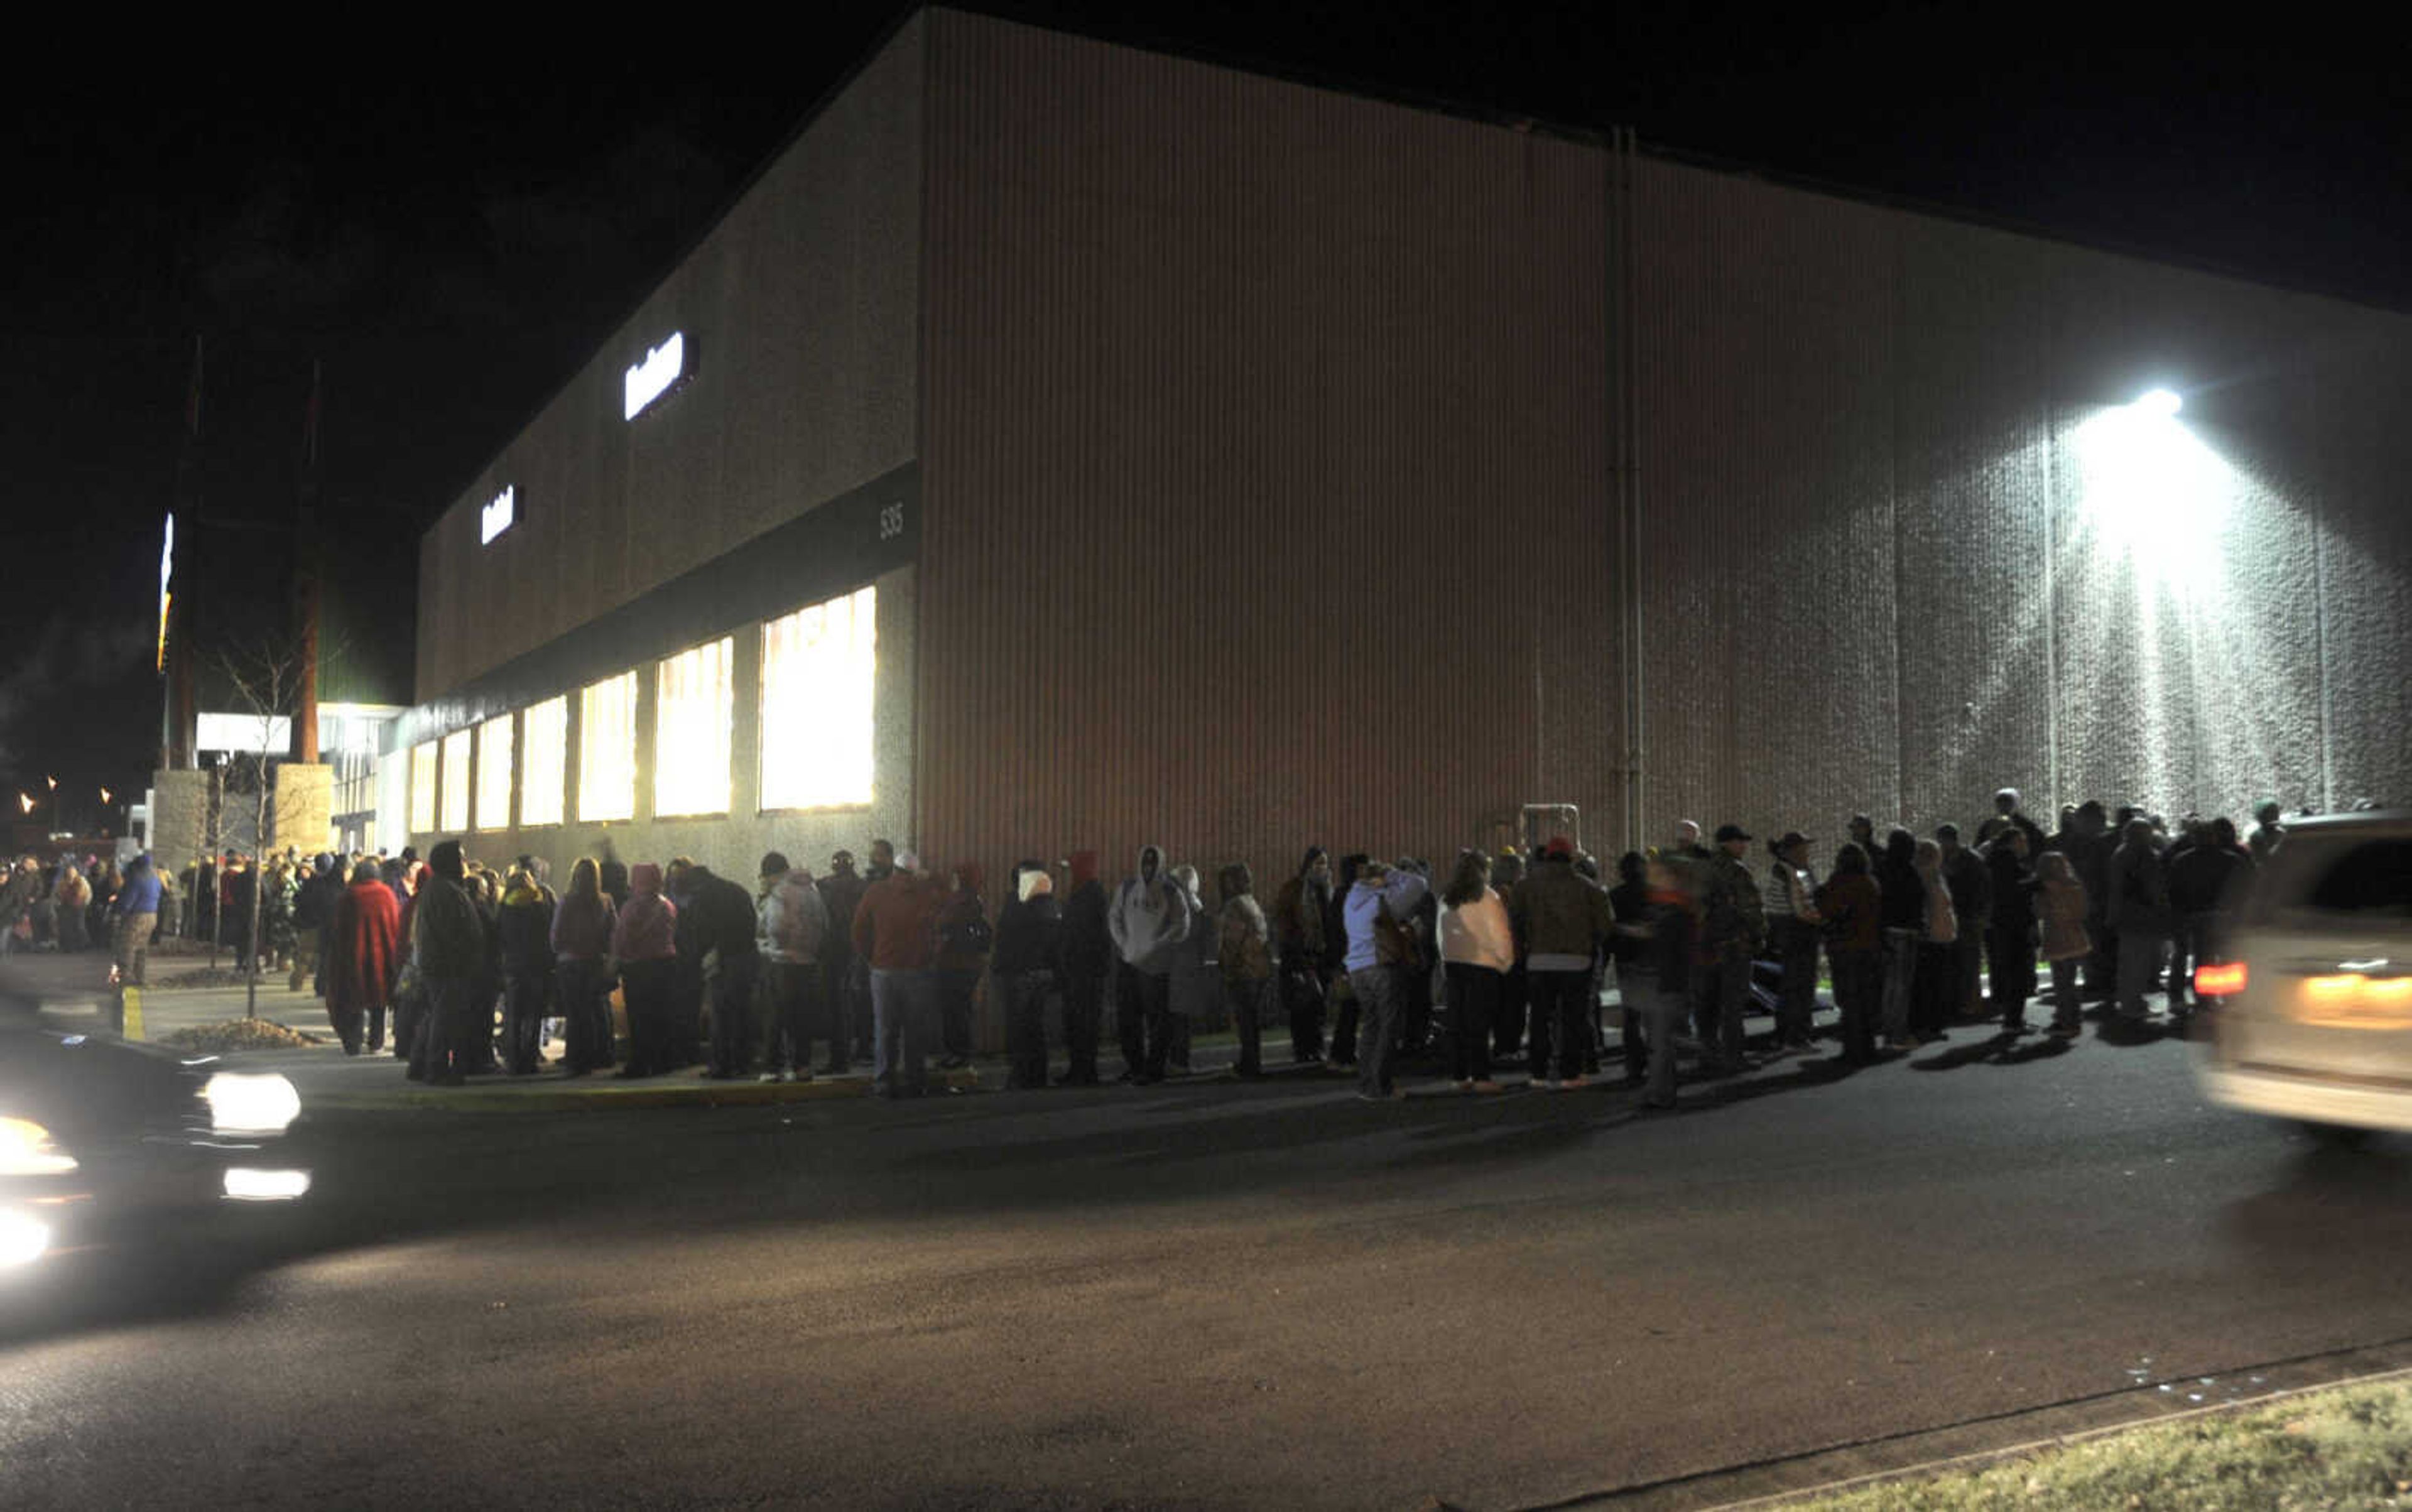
<point x="2224" y="979"/>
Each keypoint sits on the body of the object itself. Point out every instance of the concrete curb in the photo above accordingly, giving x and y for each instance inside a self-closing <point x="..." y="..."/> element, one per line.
<point x="1925" y="1454"/>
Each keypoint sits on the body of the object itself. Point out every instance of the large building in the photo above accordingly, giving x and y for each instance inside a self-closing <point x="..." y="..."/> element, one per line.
<point x="1066" y="446"/>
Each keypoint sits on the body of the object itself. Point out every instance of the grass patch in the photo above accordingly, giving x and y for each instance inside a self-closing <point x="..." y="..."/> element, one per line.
<point x="2349" y="1448"/>
<point x="241" y="1034"/>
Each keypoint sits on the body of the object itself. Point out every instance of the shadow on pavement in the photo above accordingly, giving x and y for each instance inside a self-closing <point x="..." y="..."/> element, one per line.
<point x="2333" y="1210"/>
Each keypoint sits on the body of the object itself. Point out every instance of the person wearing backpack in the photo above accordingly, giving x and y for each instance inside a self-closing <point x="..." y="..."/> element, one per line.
<point x="964" y="941"/>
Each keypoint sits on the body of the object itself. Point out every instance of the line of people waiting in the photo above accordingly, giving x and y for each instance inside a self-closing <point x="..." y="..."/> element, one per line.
<point x="1370" y="964"/>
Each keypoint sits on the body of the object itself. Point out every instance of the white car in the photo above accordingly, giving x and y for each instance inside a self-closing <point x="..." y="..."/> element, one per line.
<point x="2314" y="994"/>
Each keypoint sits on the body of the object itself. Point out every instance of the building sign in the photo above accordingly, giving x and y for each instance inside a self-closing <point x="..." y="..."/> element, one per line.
<point x="166" y="570"/>
<point x="647" y="380"/>
<point x="249" y="734"/>
<point x="498" y="516"/>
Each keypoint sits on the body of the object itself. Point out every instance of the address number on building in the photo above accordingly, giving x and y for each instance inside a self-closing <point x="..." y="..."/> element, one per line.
<point x="891" y="522"/>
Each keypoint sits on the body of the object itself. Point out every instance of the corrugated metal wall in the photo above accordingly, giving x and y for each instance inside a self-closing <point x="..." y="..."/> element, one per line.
<point x="1266" y="464"/>
<point x="1897" y="550"/>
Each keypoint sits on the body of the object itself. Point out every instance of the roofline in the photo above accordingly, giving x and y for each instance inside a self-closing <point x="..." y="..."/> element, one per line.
<point x="1140" y="38"/>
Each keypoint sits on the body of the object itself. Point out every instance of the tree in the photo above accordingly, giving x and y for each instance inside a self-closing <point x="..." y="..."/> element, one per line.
<point x="267" y="677"/>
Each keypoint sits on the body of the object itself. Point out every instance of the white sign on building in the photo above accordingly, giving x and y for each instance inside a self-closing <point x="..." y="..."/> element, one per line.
<point x="499" y="514"/>
<point x="247" y="733"/>
<point x="647" y="380"/>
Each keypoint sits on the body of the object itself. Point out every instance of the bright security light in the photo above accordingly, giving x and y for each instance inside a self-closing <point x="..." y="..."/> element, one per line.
<point x="2161" y="401"/>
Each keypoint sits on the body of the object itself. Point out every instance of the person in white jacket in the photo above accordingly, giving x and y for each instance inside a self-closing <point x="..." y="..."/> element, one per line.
<point x="1477" y="950"/>
<point x="1149" y="922"/>
<point x="792" y="926"/>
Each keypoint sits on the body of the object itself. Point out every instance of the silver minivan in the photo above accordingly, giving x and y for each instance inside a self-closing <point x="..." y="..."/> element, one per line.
<point x="2312" y="986"/>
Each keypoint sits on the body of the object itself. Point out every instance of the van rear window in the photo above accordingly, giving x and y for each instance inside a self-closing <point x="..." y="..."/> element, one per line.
<point x="2367" y="877"/>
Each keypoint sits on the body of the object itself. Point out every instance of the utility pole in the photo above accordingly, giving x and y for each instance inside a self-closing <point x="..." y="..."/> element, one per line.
<point x="176" y="629"/>
<point x="306" y="578"/>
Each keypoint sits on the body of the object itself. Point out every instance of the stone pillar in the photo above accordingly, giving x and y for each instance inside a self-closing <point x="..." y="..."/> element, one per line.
<point x="303" y="812"/>
<point x="179" y="818"/>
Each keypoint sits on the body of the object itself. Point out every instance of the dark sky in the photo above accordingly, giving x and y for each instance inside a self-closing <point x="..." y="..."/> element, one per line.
<point x="451" y="230"/>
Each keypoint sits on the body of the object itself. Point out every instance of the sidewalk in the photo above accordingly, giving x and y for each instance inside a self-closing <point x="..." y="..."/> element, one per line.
<point x="330" y="1080"/>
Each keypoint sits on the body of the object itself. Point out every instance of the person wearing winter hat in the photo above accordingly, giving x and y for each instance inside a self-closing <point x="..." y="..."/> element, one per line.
<point x="792" y="924"/>
<point x="895" y="930"/>
<point x="524" y="925"/>
<point x="1026" y="964"/>
<point x="450" y="946"/>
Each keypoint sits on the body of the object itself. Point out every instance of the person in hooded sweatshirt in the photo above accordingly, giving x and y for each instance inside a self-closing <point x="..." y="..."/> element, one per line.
<point x="1378" y="913"/>
<point x="363" y="934"/>
<point x="793" y="926"/>
<point x="1298" y="944"/>
<point x="448" y="943"/>
<point x="1027" y="963"/>
<point x="1149" y="923"/>
<point x="644" y="940"/>
<point x="895" y="934"/>
<point x="524" y="926"/>
<point x="1088" y="956"/>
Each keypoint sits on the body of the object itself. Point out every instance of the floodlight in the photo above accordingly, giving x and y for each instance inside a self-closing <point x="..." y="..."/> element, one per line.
<point x="2162" y="402"/>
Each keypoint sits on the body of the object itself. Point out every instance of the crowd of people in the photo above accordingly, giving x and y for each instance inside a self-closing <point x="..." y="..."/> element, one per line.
<point x="1371" y="964"/>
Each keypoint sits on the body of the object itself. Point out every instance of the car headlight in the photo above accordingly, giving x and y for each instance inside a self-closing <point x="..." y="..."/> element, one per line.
<point x="26" y="1148"/>
<point x="24" y="1238"/>
<point x="249" y="1103"/>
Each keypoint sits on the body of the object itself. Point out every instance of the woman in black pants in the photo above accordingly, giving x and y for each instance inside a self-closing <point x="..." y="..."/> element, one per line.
<point x="1477" y="950"/>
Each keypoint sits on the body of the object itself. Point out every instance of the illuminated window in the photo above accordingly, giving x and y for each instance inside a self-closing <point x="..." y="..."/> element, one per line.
<point x="691" y="718"/>
<point x="607" y="749"/>
<point x="423" y="788"/>
<point x="817" y="676"/>
<point x="544" y="752"/>
<point x="494" y="774"/>
<point x="456" y="780"/>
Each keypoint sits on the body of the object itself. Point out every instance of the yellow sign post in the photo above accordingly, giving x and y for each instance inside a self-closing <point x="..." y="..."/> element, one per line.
<point x="129" y="1012"/>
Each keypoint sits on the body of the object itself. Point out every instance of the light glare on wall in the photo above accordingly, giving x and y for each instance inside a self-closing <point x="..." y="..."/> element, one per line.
<point x="544" y="758"/>
<point x="607" y="749"/>
<point x="423" y="788"/>
<point x="455" y="790"/>
<point x="692" y="710"/>
<point x="2156" y="495"/>
<point x="494" y="774"/>
<point x="818" y="669"/>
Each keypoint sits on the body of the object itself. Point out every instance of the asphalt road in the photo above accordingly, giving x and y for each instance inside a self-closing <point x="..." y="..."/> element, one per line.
<point x="1265" y="1296"/>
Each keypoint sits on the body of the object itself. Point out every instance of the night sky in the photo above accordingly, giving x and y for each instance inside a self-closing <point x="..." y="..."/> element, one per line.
<point x="450" y="230"/>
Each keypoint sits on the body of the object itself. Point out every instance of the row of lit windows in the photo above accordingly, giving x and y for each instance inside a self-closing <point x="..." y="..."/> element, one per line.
<point x="817" y="671"/>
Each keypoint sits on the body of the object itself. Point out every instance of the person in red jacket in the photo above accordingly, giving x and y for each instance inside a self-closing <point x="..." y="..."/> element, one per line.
<point x="895" y="932"/>
<point x="361" y="940"/>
